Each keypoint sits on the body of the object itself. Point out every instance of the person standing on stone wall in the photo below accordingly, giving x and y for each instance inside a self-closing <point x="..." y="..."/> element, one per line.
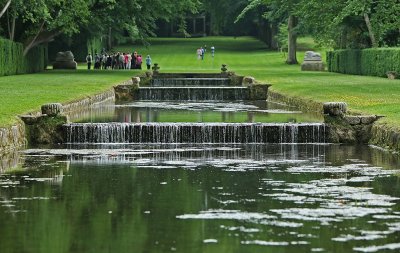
<point x="89" y="60"/>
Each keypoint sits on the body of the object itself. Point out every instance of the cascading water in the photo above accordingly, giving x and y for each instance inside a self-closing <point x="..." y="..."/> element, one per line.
<point x="195" y="133"/>
<point x="185" y="82"/>
<point x="192" y="93"/>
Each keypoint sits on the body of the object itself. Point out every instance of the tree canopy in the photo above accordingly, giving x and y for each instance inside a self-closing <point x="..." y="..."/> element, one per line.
<point x="338" y="23"/>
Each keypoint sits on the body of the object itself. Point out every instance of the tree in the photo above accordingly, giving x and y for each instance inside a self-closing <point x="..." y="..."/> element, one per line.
<point x="339" y="18"/>
<point x="279" y="10"/>
<point x="5" y="8"/>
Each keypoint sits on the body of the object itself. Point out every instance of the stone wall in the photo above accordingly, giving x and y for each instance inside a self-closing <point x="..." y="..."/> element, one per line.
<point x="84" y="104"/>
<point x="359" y="127"/>
<point x="300" y="103"/>
<point x="11" y="138"/>
<point x="385" y="136"/>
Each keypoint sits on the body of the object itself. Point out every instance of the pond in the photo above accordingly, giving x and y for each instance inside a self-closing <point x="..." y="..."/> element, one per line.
<point x="201" y="198"/>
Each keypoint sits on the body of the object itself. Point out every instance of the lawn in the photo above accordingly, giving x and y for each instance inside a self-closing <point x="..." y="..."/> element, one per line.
<point x="245" y="56"/>
<point x="24" y="93"/>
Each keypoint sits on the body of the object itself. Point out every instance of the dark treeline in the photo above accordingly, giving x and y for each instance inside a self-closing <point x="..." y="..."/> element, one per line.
<point x="91" y="24"/>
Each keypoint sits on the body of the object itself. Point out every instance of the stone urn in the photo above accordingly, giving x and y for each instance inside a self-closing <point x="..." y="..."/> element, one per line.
<point x="335" y="109"/>
<point x="224" y="68"/>
<point x="156" y="69"/>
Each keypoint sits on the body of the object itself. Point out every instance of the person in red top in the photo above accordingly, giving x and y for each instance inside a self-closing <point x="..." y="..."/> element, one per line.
<point x="139" y="62"/>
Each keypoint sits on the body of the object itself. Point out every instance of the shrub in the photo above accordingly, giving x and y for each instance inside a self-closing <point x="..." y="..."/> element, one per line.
<point x="12" y="60"/>
<point x="368" y="62"/>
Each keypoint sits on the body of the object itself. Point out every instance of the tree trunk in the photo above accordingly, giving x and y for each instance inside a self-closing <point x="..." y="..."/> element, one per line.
<point x="109" y="38"/>
<point x="370" y="31"/>
<point x="32" y="43"/>
<point x="292" y="41"/>
<point x="5" y="8"/>
<point x="12" y="29"/>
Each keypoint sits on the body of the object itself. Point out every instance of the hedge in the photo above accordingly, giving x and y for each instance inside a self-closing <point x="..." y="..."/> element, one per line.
<point x="13" y="62"/>
<point x="366" y="62"/>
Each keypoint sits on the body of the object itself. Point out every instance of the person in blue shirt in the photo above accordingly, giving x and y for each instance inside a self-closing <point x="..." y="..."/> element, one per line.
<point x="148" y="62"/>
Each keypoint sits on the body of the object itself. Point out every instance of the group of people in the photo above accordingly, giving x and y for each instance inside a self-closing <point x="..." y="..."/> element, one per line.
<point x="202" y="51"/>
<point x="117" y="61"/>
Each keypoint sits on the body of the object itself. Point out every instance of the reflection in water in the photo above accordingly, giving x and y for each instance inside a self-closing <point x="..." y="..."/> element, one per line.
<point x="190" y="198"/>
<point x="138" y="112"/>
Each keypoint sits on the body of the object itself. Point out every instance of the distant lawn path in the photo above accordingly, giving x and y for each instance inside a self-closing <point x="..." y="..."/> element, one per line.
<point x="245" y="56"/>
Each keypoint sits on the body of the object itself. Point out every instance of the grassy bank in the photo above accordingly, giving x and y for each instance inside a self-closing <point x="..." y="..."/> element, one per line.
<point x="23" y="93"/>
<point x="246" y="56"/>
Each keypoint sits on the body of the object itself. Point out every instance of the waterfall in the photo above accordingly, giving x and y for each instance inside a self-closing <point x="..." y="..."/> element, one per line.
<point x="194" y="82"/>
<point x="194" y="133"/>
<point x="193" y="93"/>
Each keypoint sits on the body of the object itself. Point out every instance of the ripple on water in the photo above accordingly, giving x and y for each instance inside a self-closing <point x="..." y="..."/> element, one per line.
<point x="390" y="246"/>
<point x="226" y="215"/>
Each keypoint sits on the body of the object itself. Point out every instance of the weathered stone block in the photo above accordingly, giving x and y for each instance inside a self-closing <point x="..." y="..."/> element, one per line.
<point x="259" y="92"/>
<point x="65" y="60"/>
<point x="47" y="130"/>
<point x="312" y="66"/>
<point x="136" y="80"/>
<point x="52" y="109"/>
<point x="248" y="81"/>
<point x="366" y="120"/>
<point x="353" y="120"/>
<point x="335" y="108"/>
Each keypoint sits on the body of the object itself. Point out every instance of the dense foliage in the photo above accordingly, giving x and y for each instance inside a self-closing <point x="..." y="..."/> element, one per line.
<point x="370" y="62"/>
<point x="12" y="60"/>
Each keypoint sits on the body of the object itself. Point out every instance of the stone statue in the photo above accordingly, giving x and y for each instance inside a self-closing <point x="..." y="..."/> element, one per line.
<point x="312" y="62"/>
<point x="65" y="60"/>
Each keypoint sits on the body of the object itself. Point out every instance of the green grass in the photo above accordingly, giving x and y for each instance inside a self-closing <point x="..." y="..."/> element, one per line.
<point x="24" y="93"/>
<point x="247" y="56"/>
<point x="244" y="55"/>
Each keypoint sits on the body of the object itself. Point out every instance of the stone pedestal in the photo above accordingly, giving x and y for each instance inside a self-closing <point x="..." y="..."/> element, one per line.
<point x="312" y="66"/>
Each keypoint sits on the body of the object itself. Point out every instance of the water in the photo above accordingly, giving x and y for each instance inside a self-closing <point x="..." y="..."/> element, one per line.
<point x="201" y="198"/>
<point x="192" y="93"/>
<point x="179" y="111"/>
<point x="184" y="82"/>
<point x="195" y="133"/>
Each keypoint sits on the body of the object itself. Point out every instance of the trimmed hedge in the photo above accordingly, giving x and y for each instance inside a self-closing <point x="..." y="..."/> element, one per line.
<point x="366" y="62"/>
<point x="13" y="62"/>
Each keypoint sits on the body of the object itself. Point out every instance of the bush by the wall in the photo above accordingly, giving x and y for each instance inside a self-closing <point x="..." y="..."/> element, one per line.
<point x="12" y="60"/>
<point x="368" y="62"/>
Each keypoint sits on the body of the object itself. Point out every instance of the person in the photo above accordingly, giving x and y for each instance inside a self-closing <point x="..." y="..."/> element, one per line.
<point x="121" y="61"/>
<point x="212" y="51"/>
<point x="198" y="53"/>
<point x="89" y="60"/>
<point x="202" y="53"/>
<point x="148" y="62"/>
<point x="133" y="61"/>
<point x="139" y="61"/>
<point x="128" y="61"/>
<point x="109" y="62"/>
